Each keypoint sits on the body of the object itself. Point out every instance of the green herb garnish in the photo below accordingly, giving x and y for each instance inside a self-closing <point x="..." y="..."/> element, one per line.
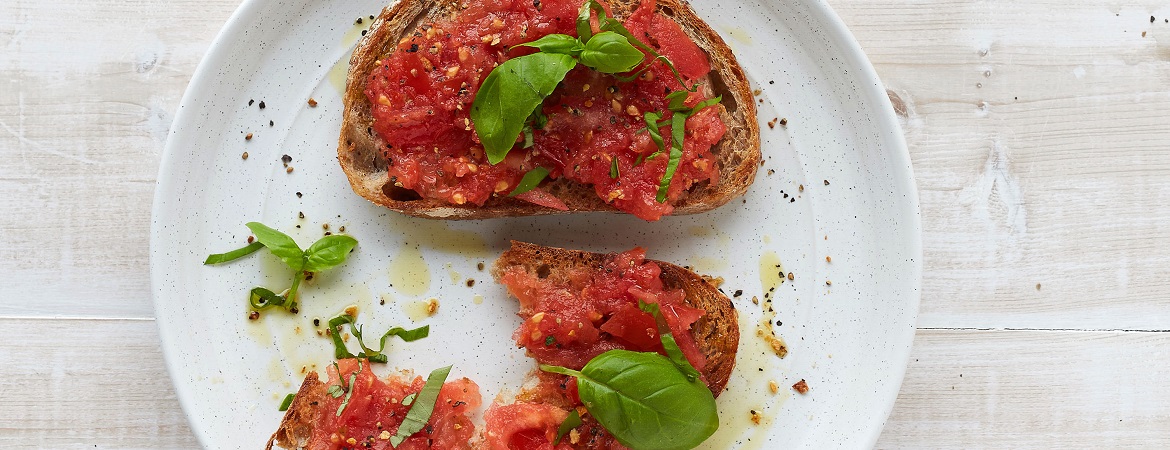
<point x="341" y="352"/>
<point x="288" y="399"/>
<point x="326" y="253"/>
<point x="644" y="400"/>
<point x="514" y="90"/>
<point x="678" y="120"/>
<point x="573" y="420"/>
<point x="668" y="343"/>
<point x="614" y="172"/>
<point x="233" y="255"/>
<point x="349" y="390"/>
<point x="424" y="404"/>
<point x="530" y="181"/>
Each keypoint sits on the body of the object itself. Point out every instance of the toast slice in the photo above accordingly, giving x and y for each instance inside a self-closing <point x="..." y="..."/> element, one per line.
<point x="359" y="151"/>
<point x="716" y="332"/>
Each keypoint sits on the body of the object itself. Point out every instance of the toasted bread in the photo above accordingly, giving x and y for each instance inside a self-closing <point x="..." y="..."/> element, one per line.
<point x="716" y="332"/>
<point x="359" y="151"/>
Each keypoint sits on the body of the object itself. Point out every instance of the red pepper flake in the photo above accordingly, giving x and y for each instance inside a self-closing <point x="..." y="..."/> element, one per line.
<point x="253" y="315"/>
<point x="251" y="238"/>
<point x="244" y="156"/>
<point x="248" y="137"/>
<point x="801" y="387"/>
<point x="784" y="122"/>
<point x="312" y="102"/>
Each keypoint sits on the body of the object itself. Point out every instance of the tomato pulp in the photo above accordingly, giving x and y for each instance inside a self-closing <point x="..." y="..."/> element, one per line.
<point x="421" y="97"/>
<point x="374" y="412"/>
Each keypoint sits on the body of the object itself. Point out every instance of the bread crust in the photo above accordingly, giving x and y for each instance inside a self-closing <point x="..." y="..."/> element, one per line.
<point x="716" y="332"/>
<point x="359" y="148"/>
<point x="297" y="426"/>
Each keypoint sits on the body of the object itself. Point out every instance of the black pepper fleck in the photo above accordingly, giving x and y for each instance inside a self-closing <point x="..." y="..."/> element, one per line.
<point x="262" y="105"/>
<point x="251" y="101"/>
<point x="299" y="195"/>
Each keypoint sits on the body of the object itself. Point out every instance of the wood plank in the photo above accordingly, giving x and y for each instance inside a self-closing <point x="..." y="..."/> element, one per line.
<point x="87" y="383"/>
<point x="1040" y="146"/>
<point x="1033" y="389"/>
<point x="102" y="382"/>
<point x="89" y="89"/>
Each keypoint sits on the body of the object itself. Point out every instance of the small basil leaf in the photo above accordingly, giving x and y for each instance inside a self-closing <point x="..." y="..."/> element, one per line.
<point x="335" y="390"/>
<point x="530" y="181"/>
<point x="557" y="43"/>
<point x="584" y="27"/>
<point x="677" y="124"/>
<point x="613" y="168"/>
<point x="573" y="420"/>
<point x="233" y="255"/>
<point x="328" y="252"/>
<point x="280" y="244"/>
<point x="529" y="138"/>
<point x="288" y="399"/>
<point x="508" y="96"/>
<point x="605" y="23"/>
<point x="424" y="404"/>
<point x="676" y="101"/>
<point x="703" y="104"/>
<point x="609" y="52"/>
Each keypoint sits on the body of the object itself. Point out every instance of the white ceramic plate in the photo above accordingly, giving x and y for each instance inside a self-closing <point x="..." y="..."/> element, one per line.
<point x="850" y="340"/>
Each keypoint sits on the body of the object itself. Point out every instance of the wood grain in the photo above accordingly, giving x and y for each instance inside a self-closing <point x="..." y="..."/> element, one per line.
<point x="1033" y="389"/>
<point x="89" y="89"/>
<point x="1040" y="146"/>
<point x="85" y="383"/>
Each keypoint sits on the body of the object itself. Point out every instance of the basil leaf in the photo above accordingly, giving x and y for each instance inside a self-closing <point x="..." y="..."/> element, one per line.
<point x="406" y="401"/>
<point x="676" y="101"/>
<point x="677" y="131"/>
<point x="335" y="390"/>
<point x="423" y="406"/>
<point x="705" y="103"/>
<point x="328" y="252"/>
<point x="279" y="244"/>
<point x="571" y="422"/>
<point x="530" y="181"/>
<point x="609" y="52"/>
<point x="232" y="255"/>
<point x="508" y="96"/>
<point x="613" y="168"/>
<point x="606" y="23"/>
<point x="288" y="399"/>
<point x="262" y="298"/>
<point x="557" y="43"/>
<point x="644" y="401"/>
<point x="528" y="136"/>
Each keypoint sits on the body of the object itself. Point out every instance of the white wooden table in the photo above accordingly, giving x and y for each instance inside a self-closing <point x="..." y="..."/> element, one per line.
<point x="1039" y="130"/>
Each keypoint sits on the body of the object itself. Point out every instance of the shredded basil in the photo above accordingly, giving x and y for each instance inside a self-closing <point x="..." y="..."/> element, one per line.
<point x="233" y="255"/>
<point x="349" y="390"/>
<point x="613" y="168"/>
<point x="530" y="181"/>
<point x="668" y="343"/>
<point x="573" y="420"/>
<point x="262" y="298"/>
<point x="424" y="404"/>
<point x="341" y="352"/>
<point x="288" y="399"/>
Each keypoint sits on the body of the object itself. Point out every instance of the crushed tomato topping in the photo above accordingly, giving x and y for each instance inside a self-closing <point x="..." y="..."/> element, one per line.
<point x="421" y="97"/>
<point x="375" y="411"/>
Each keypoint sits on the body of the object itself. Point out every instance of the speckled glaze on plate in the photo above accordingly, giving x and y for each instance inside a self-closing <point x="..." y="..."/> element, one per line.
<point x="849" y="339"/>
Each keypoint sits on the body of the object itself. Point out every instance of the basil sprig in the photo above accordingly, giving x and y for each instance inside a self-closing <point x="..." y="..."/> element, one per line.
<point x="515" y="89"/>
<point x="327" y="253"/>
<point x="341" y="352"/>
<point x="644" y="400"/>
<point x="422" y="407"/>
<point x="610" y="24"/>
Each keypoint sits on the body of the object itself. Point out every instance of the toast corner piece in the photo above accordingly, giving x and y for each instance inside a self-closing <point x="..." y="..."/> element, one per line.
<point x="297" y="426"/>
<point x="716" y="332"/>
